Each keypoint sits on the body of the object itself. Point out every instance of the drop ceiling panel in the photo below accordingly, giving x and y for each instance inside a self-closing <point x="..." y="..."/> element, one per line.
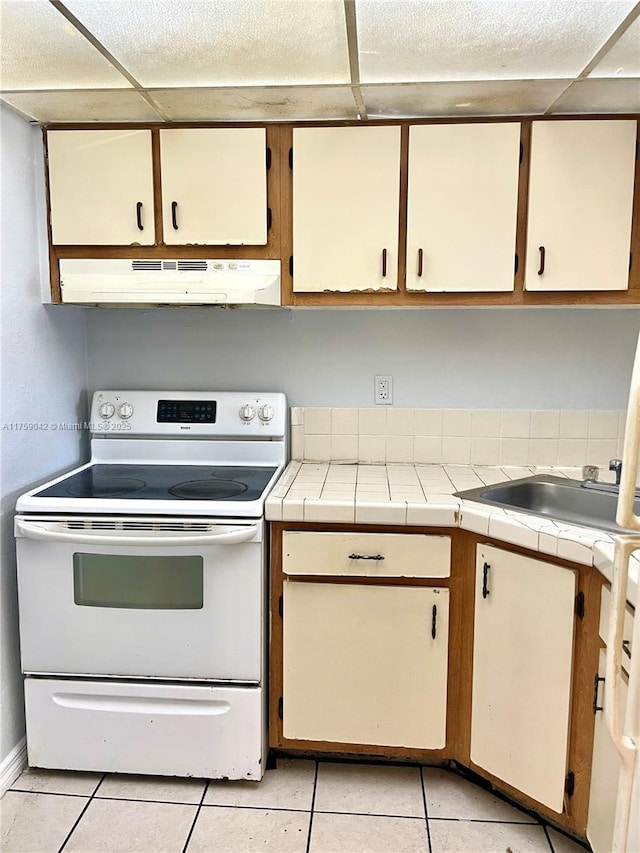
<point x="421" y="40"/>
<point x="493" y="98"/>
<point x="222" y="42"/>
<point x="42" y="50"/>
<point x="113" y="105"/>
<point x="623" y="59"/>
<point x="601" y="96"/>
<point x="252" y="104"/>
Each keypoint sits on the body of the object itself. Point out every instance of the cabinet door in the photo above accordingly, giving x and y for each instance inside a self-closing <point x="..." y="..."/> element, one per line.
<point x="462" y="207"/>
<point x="605" y="771"/>
<point x="101" y="187"/>
<point x="580" y="205"/>
<point x="214" y="186"/>
<point x="522" y="663"/>
<point x="346" y="197"/>
<point x="362" y="664"/>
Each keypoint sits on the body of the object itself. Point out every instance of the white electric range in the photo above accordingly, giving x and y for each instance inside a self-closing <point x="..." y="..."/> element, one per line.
<point x="142" y="580"/>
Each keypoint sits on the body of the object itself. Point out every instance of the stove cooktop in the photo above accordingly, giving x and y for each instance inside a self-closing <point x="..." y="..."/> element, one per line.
<point x="163" y="483"/>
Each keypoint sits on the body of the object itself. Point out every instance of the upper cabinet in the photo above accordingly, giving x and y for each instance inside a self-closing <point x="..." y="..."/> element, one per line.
<point x="346" y="202"/>
<point x="580" y="205"/>
<point x="506" y="212"/>
<point x="462" y="207"/>
<point x="101" y="187"/>
<point x="214" y="186"/>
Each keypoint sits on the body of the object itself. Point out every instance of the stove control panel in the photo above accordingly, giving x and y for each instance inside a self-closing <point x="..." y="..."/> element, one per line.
<point x="228" y="414"/>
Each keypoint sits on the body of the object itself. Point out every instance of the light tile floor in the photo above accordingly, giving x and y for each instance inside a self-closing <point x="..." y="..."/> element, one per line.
<point x="299" y="807"/>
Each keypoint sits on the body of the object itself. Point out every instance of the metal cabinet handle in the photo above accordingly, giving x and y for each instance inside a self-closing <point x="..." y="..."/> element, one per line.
<point x="485" y="575"/>
<point x="596" y="684"/>
<point x="434" y="616"/>
<point x="420" y="253"/>
<point x="543" y="253"/>
<point x="384" y="263"/>
<point x="139" y="216"/>
<point x="365" y="557"/>
<point x="626" y="648"/>
<point x="174" y="217"/>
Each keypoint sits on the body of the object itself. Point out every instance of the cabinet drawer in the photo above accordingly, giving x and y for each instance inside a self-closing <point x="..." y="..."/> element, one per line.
<point x="627" y="631"/>
<point x="366" y="554"/>
<point x="133" y="727"/>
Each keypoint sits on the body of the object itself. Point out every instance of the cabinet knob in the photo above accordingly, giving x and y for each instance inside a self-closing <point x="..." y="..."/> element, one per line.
<point x="174" y="215"/>
<point x="139" y="216"/>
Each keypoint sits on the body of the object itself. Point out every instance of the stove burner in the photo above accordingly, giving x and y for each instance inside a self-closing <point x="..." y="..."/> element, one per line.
<point x="105" y="487"/>
<point x="207" y="489"/>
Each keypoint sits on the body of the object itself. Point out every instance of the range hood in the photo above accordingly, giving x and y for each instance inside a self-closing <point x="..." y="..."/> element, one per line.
<point x="188" y="281"/>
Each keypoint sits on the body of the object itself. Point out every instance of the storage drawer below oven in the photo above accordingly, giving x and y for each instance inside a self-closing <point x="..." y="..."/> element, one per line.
<point x="161" y="729"/>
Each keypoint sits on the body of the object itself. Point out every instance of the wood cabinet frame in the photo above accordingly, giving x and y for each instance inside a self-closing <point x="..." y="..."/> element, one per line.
<point x="280" y="235"/>
<point x="461" y="585"/>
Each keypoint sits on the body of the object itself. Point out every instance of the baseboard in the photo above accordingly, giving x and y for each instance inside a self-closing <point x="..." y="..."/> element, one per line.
<point x="13" y="765"/>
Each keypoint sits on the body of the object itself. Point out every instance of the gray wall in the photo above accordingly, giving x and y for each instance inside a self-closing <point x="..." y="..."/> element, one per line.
<point x="489" y="358"/>
<point x="43" y="351"/>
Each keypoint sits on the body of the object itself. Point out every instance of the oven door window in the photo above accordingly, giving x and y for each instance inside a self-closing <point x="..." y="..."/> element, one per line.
<point x="138" y="582"/>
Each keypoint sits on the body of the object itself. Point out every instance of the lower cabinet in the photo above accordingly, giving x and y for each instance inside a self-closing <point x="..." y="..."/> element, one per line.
<point x="522" y="672"/>
<point x="365" y="663"/>
<point x="605" y="771"/>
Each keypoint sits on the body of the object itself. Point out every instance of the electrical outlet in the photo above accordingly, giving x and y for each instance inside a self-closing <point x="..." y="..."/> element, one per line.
<point x="383" y="390"/>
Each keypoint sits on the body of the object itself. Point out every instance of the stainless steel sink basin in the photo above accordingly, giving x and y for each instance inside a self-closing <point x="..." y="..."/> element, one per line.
<point x="556" y="498"/>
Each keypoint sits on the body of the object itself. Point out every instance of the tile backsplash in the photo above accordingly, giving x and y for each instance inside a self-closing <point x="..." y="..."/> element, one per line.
<point x="457" y="436"/>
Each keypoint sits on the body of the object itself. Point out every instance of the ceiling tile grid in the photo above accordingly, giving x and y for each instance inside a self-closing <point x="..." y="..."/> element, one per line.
<point x="302" y="60"/>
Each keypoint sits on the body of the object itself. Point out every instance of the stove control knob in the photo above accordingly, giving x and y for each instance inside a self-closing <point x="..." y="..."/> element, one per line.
<point x="125" y="410"/>
<point x="265" y="413"/>
<point x="247" y="413"/>
<point x="107" y="410"/>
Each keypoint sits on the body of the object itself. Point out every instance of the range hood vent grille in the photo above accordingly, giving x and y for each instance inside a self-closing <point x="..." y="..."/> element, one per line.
<point x="152" y="266"/>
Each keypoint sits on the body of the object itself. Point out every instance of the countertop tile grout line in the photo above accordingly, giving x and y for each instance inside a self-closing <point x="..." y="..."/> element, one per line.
<point x="426" y="810"/>
<point x="81" y="815"/>
<point x="195" y="817"/>
<point x="313" y="804"/>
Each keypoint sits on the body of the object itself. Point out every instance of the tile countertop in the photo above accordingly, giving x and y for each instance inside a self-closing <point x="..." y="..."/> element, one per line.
<point x="423" y="495"/>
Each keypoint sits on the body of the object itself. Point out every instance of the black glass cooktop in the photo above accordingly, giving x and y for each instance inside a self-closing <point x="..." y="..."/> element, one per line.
<point x="164" y="483"/>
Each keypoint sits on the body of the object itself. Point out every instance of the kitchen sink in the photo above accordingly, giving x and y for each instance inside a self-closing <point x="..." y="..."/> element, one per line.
<point x="587" y="505"/>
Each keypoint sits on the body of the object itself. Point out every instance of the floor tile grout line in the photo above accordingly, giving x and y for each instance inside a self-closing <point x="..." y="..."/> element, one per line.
<point x="313" y="804"/>
<point x="195" y="817"/>
<point x="488" y="820"/>
<point x="426" y="810"/>
<point x="81" y="815"/>
<point x="47" y="793"/>
<point x="548" y="837"/>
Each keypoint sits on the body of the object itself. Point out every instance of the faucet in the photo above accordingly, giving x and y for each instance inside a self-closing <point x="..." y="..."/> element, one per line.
<point x="616" y="465"/>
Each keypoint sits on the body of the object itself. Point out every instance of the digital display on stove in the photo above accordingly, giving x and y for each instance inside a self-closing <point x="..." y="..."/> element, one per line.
<point x="186" y="412"/>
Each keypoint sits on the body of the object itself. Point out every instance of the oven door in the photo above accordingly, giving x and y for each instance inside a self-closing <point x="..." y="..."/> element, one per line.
<point x="145" y="598"/>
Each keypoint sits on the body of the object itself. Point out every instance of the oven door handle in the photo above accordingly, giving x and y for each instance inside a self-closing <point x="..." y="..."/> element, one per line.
<point x="44" y="534"/>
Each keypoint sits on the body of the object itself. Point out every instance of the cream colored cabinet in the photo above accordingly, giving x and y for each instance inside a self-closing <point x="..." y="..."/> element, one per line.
<point x="580" y="205"/>
<point x="605" y="770"/>
<point x="101" y="187"/>
<point x="522" y="672"/>
<point x="462" y="207"/>
<point x="214" y="186"/>
<point x="346" y="197"/>
<point x="365" y="664"/>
